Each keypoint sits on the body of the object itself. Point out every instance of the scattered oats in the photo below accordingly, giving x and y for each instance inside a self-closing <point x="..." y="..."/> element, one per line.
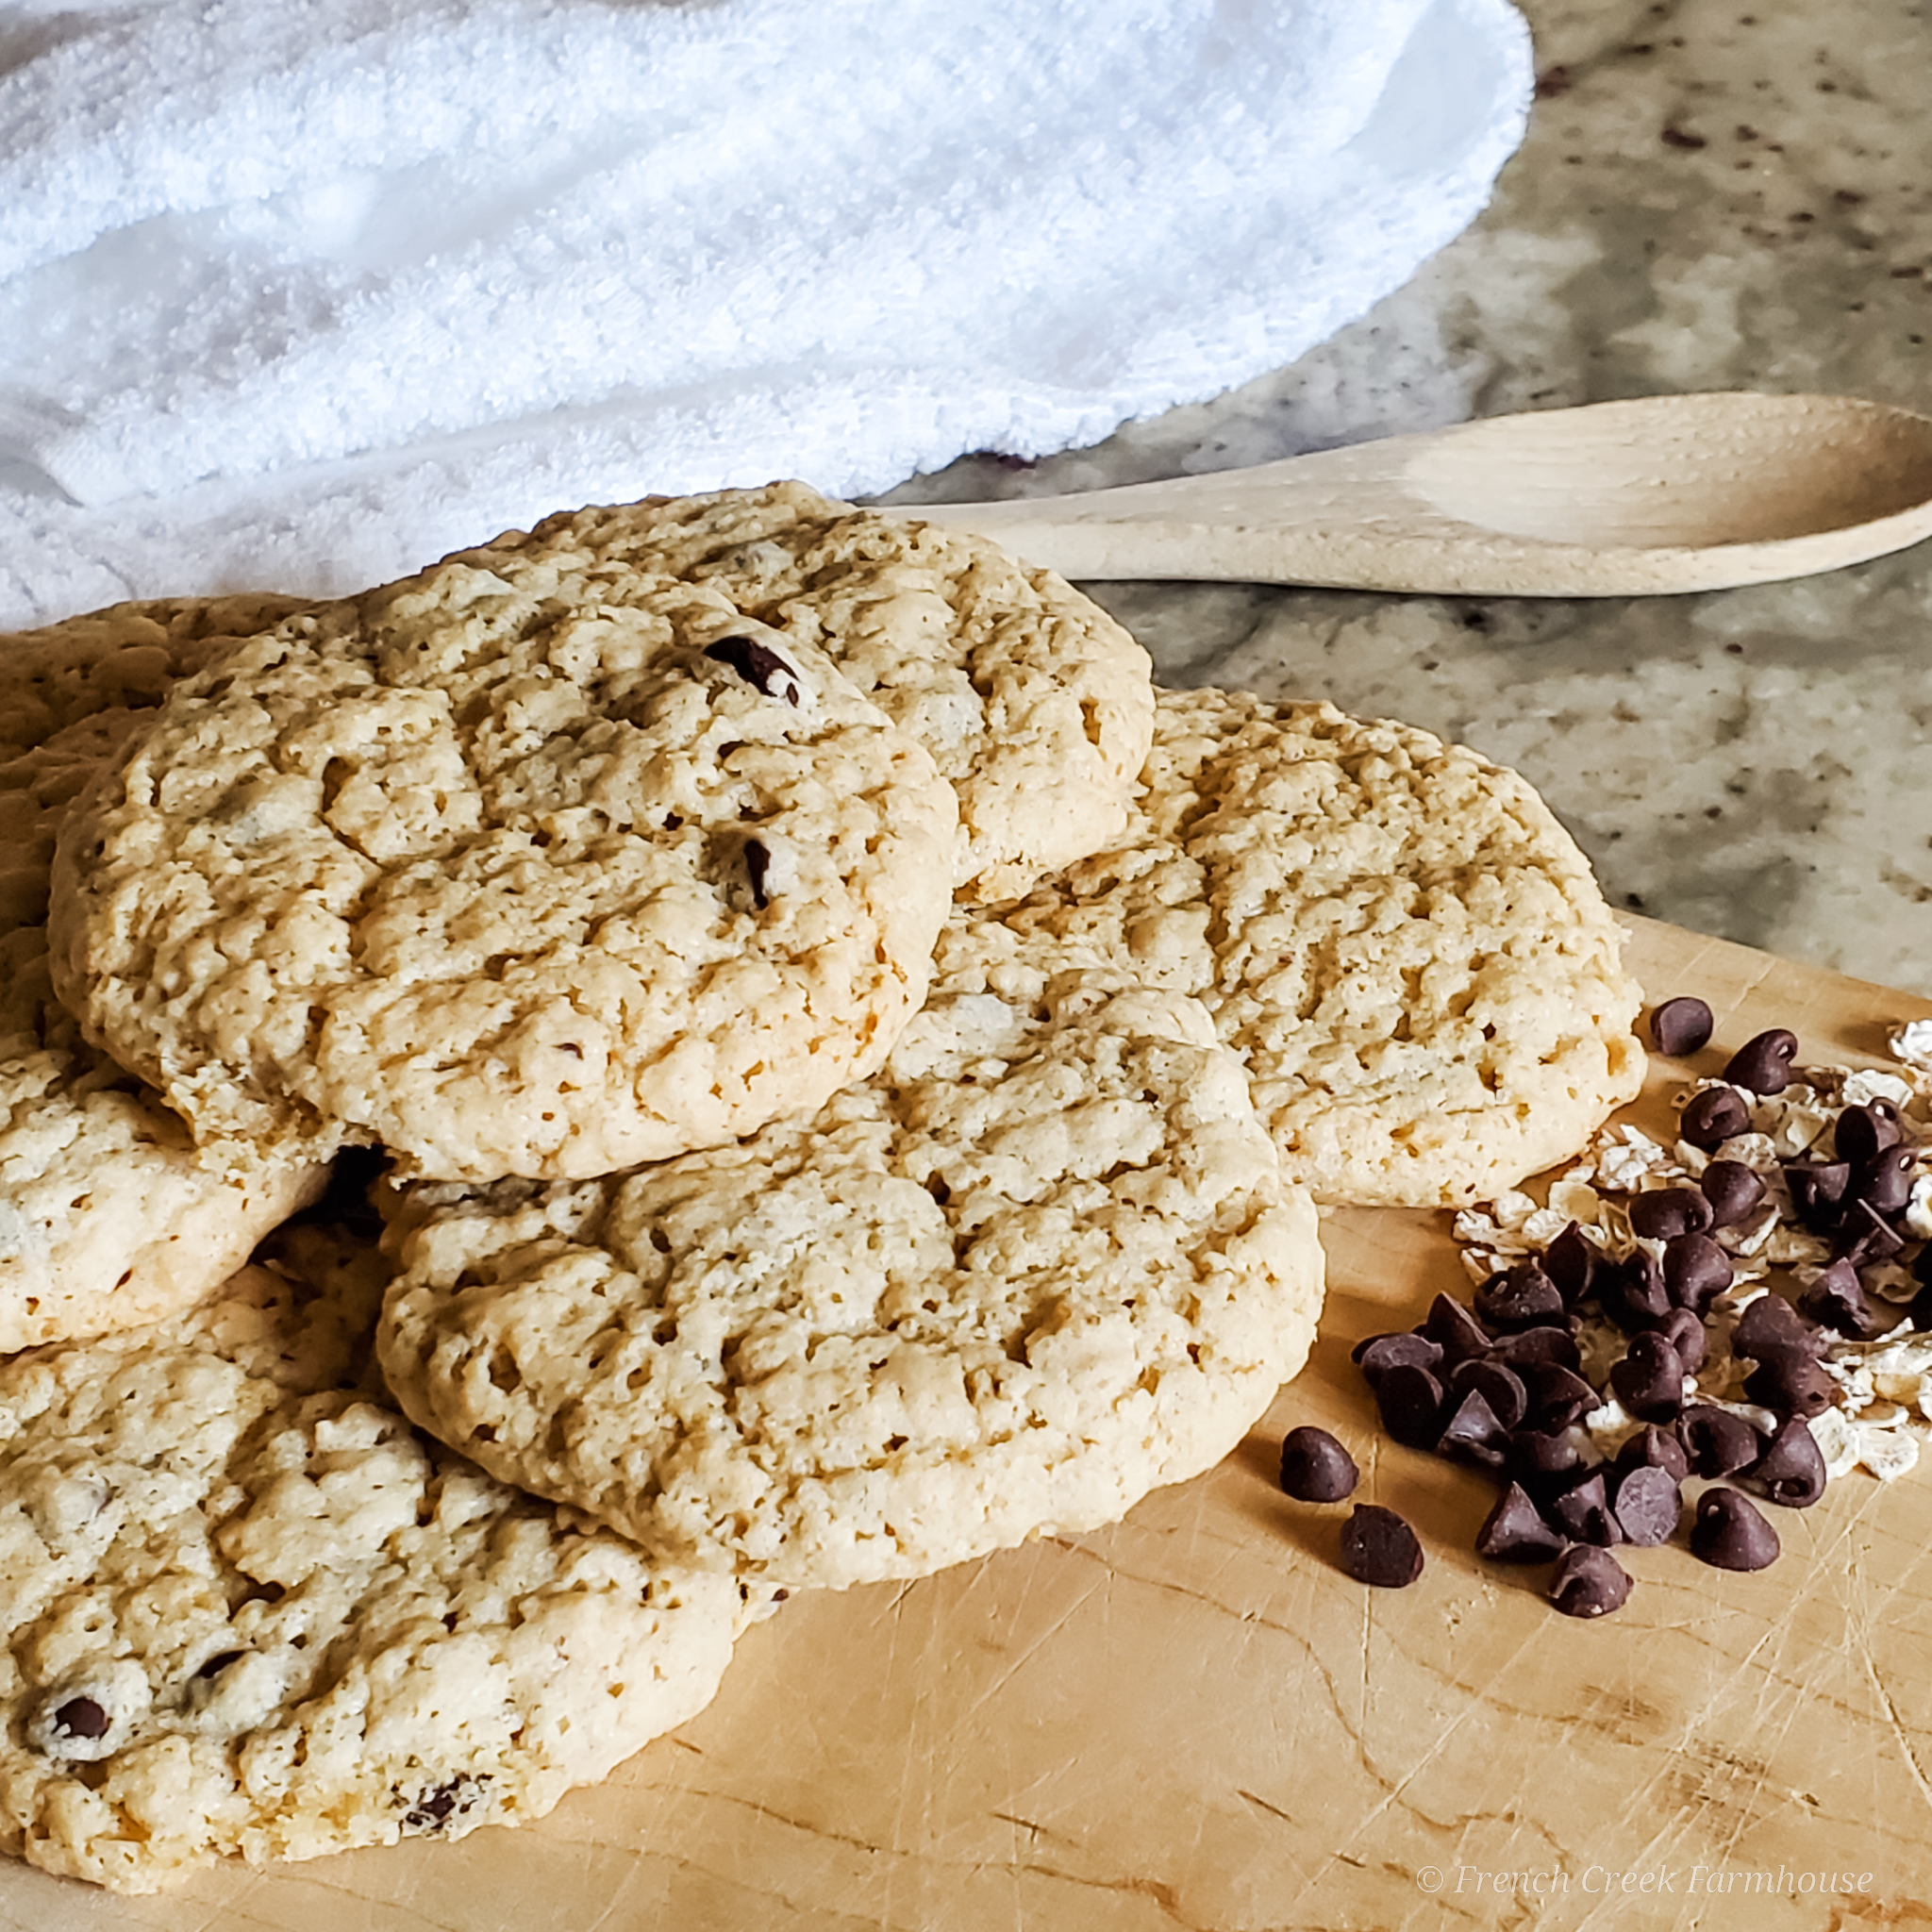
<point x="1888" y="1281"/>
<point x="1838" y="1443"/>
<point x="1870" y="1083"/>
<point x="1786" y="1247"/>
<point x="1748" y="1238"/>
<point x="1623" y="1167"/>
<point x="1754" y="1413"/>
<point x="1512" y="1210"/>
<point x="1912" y="1043"/>
<point x="1888" y="1454"/>
<point x="1919" y="1209"/>
<point x="1610" y="1426"/>
<point x="1544" y="1227"/>
<point x="1479" y="1265"/>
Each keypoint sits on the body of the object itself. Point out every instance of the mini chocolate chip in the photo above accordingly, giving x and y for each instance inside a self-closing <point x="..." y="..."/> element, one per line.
<point x="219" y="1662"/>
<point x="1380" y="1353"/>
<point x="1529" y="1346"/>
<point x="1472" y="1434"/>
<point x="1664" y="1212"/>
<point x="1716" y="1442"/>
<point x="1680" y="1025"/>
<point x="1836" y="1300"/>
<point x="1632" y="1293"/>
<point x="1862" y="1132"/>
<point x="1454" y="1330"/>
<point x="1712" y="1116"/>
<point x="1647" y="1505"/>
<point x="1865" y="1236"/>
<point x="1378" y="1547"/>
<point x="1654" y="1448"/>
<point x="81" y="1717"/>
<point x="1789" y="1385"/>
<point x="1583" y="1513"/>
<point x="1515" y="1532"/>
<point x="1696" y="1271"/>
<point x="1818" y="1191"/>
<point x="1589" y="1583"/>
<point x="1520" y="1297"/>
<point x="1570" y="1261"/>
<point x="1315" y="1468"/>
<point x="1649" y="1381"/>
<point x="1771" y="1326"/>
<point x="1733" y="1190"/>
<point x="761" y="666"/>
<point x="1885" y="1182"/>
<point x="1557" y="1396"/>
<point x="1410" y="1403"/>
<point x="1764" y="1063"/>
<point x="1500" y="1387"/>
<point x="1684" y="1330"/>
<point x="757" y="861"/>
<point x="1730" y="1533"/>
<point x="1533" y="1456"/>
<point x="1792" y="1470"/>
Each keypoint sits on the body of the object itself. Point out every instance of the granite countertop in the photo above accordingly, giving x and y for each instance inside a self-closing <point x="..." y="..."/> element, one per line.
<point x="1708" y="197"/>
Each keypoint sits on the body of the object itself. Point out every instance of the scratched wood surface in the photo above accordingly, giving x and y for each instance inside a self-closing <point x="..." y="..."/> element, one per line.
<point x="1194" y="1720"/>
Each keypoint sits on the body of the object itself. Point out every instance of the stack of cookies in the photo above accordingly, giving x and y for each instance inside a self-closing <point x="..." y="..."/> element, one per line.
<point x="846" y="1068"/>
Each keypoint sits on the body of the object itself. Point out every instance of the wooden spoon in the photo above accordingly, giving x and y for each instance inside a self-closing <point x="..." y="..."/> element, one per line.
<point x="1695" y="493"/>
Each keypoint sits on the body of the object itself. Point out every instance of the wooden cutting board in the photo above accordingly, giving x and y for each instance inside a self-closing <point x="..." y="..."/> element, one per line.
<point x="1194" y="1721"/>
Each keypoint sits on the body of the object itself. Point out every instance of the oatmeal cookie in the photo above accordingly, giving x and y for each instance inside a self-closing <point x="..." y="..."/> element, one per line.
<point x="1037" y="705"/>
<point x="537" y="869"/>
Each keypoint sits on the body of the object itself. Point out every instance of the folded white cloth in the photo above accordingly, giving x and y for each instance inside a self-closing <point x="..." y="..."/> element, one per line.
<point x="299" y="297"/>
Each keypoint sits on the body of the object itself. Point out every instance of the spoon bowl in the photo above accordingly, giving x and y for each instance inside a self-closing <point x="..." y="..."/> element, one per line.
<point x="1665" y="493"/>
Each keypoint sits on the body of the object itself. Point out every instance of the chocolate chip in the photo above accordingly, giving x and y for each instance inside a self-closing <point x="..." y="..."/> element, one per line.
<point x="1865" y="1236"/>
<point x="434" y="1808"/>
<point x="1378" y="1547"/>
<point x="1515" y="1532"/>
<point x="1500" y="1387"/>
<point x="1818" y="1191"/>
<point x="1656" y="1448"/>
<point x="1583" y="1513"/>
<point x="1529" y="1346"/>
<point x="1861" y="1133"/>
<point x="1533" y="1456"/>
<point x="1885" y="1182"/>
<point x="219" y="1662"/>
<point x="758" y="860"/>
<point x="1520" y="1297"/>
<point x="1632" y="1293"/>
<point x="1589" y="1583"/>
<point x="1733" y="1190"/>
<point x="1684" y="1331"/>
<point x="1315" y="1468"/>
<point x="1696" y="1271"/>
<point x="1557" y="1396"/>
<point x="1789" y="1385"/>
<point x="1764" y="1063"/>
<point x="1835" y="1299"/>
<point x="1680" y="1025"/>
<point x="81" y="1717"/>
<point x="1711" y="1118"/>
<point x="1730" y="1533"/>
<point x="761" y="666"/>
<point x="1380" y="1353"/>
<point x="1472" y="1434"/>
<point x="1570" y="1261"/>
<point x="1454" y="1330"/>
<point x="1649" y="1381"/>
<point x="1410" y="1403"/>
<point x="1792" y="1470"/>
<point x="1716" y="1442"/>
<point x="1771" y="1326"/>
<point x="1667" y="1212"/>
<point x="1647" y="1505"/>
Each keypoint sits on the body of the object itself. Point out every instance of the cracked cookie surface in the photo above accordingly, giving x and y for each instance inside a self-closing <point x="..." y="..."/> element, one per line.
<point x="1403" y="946"/>
<point x="109" y="1217"/>
<point x="1036" y="703"/>
<point x="539" y="868"/>
<point x="1039" y="1264"/>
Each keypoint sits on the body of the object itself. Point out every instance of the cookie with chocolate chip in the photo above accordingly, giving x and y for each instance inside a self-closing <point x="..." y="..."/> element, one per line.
<point x="109" y="1216"/>
<point x="542" y="868"/>
<point x="1406" y="950"/>
<point x="1042" y="1263"/>
<point x="1037" y="705"/>
<point x="247" y="1609"/>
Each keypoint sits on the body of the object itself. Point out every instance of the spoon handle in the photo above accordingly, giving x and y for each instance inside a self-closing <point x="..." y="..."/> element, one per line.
<point x="1617" y="499"/>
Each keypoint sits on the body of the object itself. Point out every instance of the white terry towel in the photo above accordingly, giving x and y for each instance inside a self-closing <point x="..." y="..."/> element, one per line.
<point x="300" y="296"/>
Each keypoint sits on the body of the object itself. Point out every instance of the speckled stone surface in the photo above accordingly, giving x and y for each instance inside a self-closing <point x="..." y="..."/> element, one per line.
<point x="1709" y="198"/>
